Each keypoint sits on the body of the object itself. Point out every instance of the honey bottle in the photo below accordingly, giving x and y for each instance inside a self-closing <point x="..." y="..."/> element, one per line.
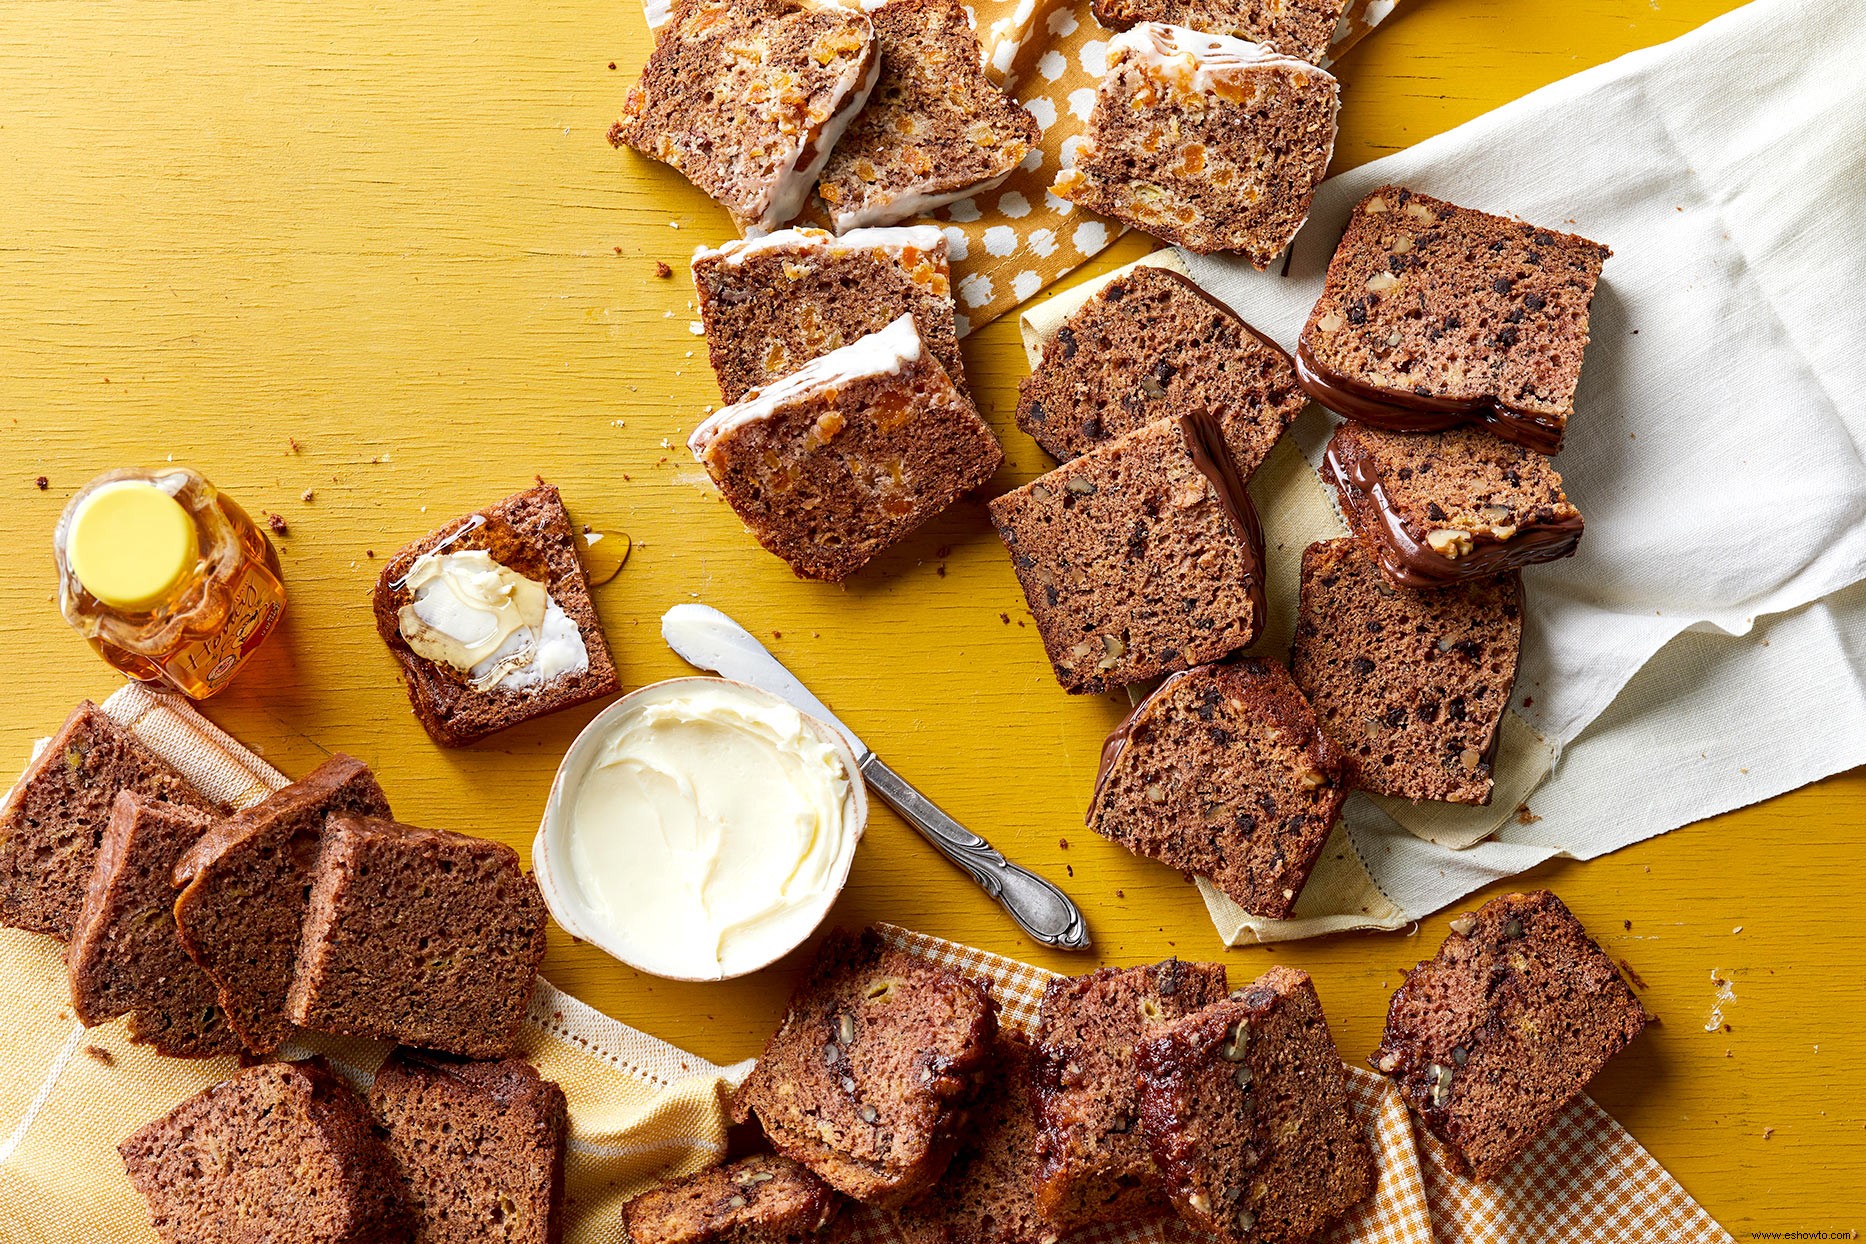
<point x="168" y="579"/>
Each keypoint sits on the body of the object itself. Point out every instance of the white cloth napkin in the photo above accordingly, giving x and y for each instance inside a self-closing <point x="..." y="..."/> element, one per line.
<point x="1702" y="651"/>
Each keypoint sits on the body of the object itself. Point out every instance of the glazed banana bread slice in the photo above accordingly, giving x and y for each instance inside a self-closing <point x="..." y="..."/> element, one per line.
<point x="1223" y="771"/>
<point x="243" y="887"/>
<point x="868" y="1079"/>
<point x="849" y="455"/>
<point x="1244" y="1107"/>
<point x="1411" y="685"/>
<point x="420" y="936"/>
<point x="1092" y="1162"/>
<point x="1205" y="141"/>
<point x="282" y="1153"/>
<point x="1434" y="315"/>
<point x="124" y="957"/>
<point x="1436" y="508"/>
<point x="985" y="1196"/>
<point x="52" y="823"/>
<point x="1497" y="1033"/>
<point x="480" y="1147"/>
<point x="772" y="304"/>
<point x="1302" y="28"/>
<point x="1140" y="557"/>
<point x="1149" y="345"/>
<point x="746" y="99"/>
<point x="762" y="1199"/>
<point x="935" y="129"/>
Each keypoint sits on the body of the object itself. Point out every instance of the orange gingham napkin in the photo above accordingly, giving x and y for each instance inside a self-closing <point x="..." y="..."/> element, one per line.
<point x="1584" y="1182"/>
<point x="1013" y="241"/>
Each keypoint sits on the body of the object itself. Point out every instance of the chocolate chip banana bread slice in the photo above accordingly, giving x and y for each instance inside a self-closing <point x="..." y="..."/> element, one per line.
<point x="1222" y="771"/>
<point x="1435" y="508"/>
<point x="52" y="823"/>
<point x="935" y="129"/>
<point x="1208" y="142"/>
<point x="1139" y="558"/>
<point x="774" y="303"/>
<point x="1150" y="345"/>
<point x="1433" y="315"/>
<point x="243" y="887"/>
<point x="1092" y="1162"/>
<point x="1411" y="685"/>
<point x="1301" y="28"/>
<point x="868" y="1079"/>
<point x="985" y="1196"/>
<point x="282" y="1153"/>
<point x="480" y="1147"/>
<point x="762" y="1199"/>
<point x="491" y="621"/>
<point x="850" y="454"/>
<point x="746" y="99"/>
<point x="1492" y="1038"/>
<point x="1244" y="1107"/>
<point x="124" y="957"/>
<point x="420" y="936"/>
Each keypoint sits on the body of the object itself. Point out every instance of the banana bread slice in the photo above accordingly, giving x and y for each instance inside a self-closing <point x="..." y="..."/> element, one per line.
<point x="433" y="598"/>
<point x="1447" y="507"/>
<point x="1302" y="28"/>
<point x="124" y="957"/>
<point x="1434" y="315"/>
<point x="774" y="303"/>
<point x="935" y="129"/>
<point x="282" y="1153"/>
<point x="243" y="887"/>
<point x="1244" y="1107"/>
<point x="52" y="823"/>
<point x="1222" y="771"/>
<point x="1412" y="686"/>
<point x="1208" y="142"/>
<point x="747" y="98"/>
<point x="420" y="936"/>
<point x="762" y="1199"/>
<point x="868" y="1079"/>
<point x="1092" y="1162"/>
<point x="480" y="1147"/>
<point x="985" y="1197"/>
<point x="848" y="455"/>
<point x="1493" y="1037"/>
<point x="1139" y="558"/>
<point x="1149" y="345"/>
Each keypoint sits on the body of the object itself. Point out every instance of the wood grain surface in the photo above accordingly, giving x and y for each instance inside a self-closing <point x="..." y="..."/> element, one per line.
<point x="370" y="265"/>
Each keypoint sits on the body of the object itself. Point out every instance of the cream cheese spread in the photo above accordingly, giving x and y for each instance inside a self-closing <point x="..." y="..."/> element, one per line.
<point x="701" y="829"/>
<point x="483" y="618"/>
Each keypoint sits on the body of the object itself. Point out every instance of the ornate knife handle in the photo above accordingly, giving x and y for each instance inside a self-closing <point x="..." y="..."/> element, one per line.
<point x="1042" y="910"/>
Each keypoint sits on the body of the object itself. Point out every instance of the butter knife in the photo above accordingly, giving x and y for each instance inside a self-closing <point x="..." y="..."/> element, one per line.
<point x="704" y="637"/>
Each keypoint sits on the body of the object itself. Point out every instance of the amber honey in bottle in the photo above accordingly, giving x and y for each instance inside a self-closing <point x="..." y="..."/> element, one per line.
<point x="168" y="579"/>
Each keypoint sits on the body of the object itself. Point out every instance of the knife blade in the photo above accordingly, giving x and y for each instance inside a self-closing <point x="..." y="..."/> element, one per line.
<point x="704" y="637"/>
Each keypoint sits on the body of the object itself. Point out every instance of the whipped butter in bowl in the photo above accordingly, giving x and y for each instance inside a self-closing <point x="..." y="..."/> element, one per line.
<point x="699" y="829"/>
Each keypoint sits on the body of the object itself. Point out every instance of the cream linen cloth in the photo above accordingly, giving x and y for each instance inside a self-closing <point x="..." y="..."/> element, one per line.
<point x="640" y="1109"/>
<point x="1012" y="241"/>
<point x="1706" y="648"/>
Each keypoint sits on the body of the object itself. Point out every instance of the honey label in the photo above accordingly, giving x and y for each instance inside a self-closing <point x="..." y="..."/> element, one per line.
<point x="257" y="601"/>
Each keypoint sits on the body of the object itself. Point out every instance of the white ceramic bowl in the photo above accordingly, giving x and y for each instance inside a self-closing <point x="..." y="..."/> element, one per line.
<point x="551" y="855"/>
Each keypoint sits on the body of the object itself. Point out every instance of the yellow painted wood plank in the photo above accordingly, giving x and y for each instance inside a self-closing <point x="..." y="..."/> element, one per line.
<point x="394" y="235"/>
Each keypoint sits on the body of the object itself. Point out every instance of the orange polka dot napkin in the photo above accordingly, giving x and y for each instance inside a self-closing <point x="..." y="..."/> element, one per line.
<point x="1013" y="241"/>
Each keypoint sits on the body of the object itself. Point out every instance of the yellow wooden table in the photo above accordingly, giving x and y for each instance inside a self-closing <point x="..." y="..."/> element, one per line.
<point x="371" y="265"/>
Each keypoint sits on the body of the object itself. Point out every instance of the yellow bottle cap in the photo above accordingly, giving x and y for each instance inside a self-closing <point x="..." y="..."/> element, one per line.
<point x="131" y="544"/>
